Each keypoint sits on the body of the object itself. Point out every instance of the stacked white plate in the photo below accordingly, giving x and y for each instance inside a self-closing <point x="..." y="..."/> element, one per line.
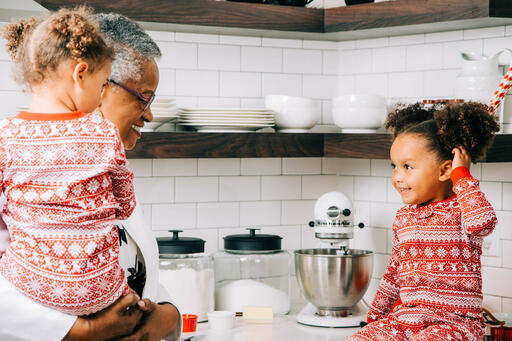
<point x="163" y="110"/>
<point x="226" y="119"/>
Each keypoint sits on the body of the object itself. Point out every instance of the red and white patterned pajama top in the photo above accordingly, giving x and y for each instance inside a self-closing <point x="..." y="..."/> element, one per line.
<point x="435" y="269"/>
<point x="66" y="181"/>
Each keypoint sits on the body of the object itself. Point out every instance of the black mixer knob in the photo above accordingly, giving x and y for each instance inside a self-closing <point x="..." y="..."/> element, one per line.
<point x="346" y="212"/>
<point x="361" y="225"/>
<point x="311" y="223"/>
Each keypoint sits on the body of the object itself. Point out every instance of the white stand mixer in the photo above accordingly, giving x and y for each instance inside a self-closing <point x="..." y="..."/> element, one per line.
<point x="333" y="279"/>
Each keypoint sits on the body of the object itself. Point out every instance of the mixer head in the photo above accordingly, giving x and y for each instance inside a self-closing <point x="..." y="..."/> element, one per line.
<point x="334" y="219"/>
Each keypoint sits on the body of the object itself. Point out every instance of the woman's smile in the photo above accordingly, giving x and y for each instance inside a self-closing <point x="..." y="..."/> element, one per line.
<point x="137" y="129"/>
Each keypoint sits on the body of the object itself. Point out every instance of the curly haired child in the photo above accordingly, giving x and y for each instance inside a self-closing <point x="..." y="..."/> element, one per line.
<point x="63" y="169"/>
<point x="432" y="288"/>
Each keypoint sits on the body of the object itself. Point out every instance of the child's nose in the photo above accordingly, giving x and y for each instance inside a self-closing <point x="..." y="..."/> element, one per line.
<point x="396" y="176"/>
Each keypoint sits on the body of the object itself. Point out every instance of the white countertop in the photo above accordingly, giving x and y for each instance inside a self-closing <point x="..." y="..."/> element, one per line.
<point x="283" y="327"/>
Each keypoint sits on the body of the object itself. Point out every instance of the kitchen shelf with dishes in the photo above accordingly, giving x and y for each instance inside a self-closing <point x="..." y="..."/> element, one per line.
<point x="251" y="145"/>
<point x="398" y="17"/>
<point x="245" y="132"/>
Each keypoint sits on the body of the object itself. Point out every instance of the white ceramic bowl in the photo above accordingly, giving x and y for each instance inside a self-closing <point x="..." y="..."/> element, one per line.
<point x="359" y="119"/>
<point x="359" y="113"/>
<point x="221" y="319"/>
<point x="293" y="114"/>
<point x="359" y="100"/>
<point x="293" y="101"/>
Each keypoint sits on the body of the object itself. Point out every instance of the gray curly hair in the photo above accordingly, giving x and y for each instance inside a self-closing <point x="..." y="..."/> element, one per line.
<point x="132" y="46"/>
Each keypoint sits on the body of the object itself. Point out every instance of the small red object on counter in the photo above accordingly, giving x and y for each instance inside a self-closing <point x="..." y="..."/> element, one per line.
<point x="189" y="323"/>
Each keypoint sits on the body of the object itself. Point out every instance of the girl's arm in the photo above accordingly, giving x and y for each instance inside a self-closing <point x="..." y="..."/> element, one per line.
<point x="122" y="183"/>
<point x="389" y="290"/>
<point x="477" y="215"/>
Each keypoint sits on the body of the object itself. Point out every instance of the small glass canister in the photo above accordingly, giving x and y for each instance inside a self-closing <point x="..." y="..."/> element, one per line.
<point x="252" y="270"/>
<point x="186" y="271"/>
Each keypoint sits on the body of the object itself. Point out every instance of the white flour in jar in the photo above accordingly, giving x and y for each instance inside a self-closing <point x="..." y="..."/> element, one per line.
<point x="247" y="292"/>
<point x="190" y="290"/>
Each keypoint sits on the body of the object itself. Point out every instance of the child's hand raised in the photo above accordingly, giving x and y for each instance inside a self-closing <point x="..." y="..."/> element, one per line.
<point x="461" y="158"/>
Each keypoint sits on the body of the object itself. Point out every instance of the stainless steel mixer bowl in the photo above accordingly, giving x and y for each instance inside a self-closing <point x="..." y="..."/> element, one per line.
<point x="331" y="280"/>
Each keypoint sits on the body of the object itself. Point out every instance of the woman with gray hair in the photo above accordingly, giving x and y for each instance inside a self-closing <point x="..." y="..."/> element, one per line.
<point x="126" y="101"/>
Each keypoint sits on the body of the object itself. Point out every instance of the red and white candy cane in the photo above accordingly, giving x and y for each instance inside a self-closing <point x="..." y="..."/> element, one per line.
<point x="501" y="92"/>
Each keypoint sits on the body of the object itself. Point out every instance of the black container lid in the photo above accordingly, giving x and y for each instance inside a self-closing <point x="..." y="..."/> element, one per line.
<point x="252" y="242"/>
<point x="180" y="245"/>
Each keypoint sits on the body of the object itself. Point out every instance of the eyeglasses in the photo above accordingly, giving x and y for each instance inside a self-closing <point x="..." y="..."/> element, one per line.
<point x="146" y="99"/>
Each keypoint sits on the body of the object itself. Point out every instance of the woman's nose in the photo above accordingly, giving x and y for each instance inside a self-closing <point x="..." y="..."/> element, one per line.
<point x="147" y="115"/>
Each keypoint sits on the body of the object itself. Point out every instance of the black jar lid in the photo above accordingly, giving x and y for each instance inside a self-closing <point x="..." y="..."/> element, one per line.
<point x="180" y="245"/>
<point x="252" y="242"/>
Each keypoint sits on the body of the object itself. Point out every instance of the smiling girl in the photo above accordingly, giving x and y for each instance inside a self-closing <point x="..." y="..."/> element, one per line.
<point x="432" y="288"/>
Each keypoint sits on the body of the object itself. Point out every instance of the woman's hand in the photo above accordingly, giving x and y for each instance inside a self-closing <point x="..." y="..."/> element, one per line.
<point x="117" y="320"/>
<point x="461" y="158"/>
<point x="159" y="321"/>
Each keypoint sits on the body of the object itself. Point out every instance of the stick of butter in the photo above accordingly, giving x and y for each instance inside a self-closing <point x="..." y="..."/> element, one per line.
<point x="254" y="314"/>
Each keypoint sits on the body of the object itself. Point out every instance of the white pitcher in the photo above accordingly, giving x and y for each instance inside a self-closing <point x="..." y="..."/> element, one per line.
<point x="479" y="77"/>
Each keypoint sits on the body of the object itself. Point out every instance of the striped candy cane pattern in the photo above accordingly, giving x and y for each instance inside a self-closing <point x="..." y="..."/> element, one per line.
<point x="500" y="93"/>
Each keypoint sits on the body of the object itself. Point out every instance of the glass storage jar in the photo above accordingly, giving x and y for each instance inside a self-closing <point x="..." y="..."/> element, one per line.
<point x="186" y="271"/>
<point x="252" y="270"/>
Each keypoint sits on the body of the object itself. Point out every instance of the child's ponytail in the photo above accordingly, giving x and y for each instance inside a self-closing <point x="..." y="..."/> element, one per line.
<point x="15" y="34"/>
<point x="469" y="125"/>
<point x="77" y="32"/>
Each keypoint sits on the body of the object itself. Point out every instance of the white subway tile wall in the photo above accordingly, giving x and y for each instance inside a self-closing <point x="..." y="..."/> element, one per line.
<point x="302" y="61"/>
<point x="239" y="188"/>
<point x="141" y="167"/>
<point x="210" y="198"/>
<point x="278" y="83"/>
<point x="308" y="165"/>
<point x="173" y="216"/>
<point x="219" y="167"/>
<point x="221" y="214"/>
<point x="370" y="188"/>
<point x="219" y="57"/>
<point x="452" y="52"/>
<point x="280" y="187"/>
<point x="154" y="190"/>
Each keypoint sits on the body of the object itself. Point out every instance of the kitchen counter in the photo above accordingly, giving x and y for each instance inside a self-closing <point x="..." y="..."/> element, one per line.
<point x="283" y="328"/>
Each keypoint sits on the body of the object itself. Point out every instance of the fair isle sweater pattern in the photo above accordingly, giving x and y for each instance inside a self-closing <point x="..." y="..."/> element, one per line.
<point x="66" y="181"/>
<point x="435" y="260"/>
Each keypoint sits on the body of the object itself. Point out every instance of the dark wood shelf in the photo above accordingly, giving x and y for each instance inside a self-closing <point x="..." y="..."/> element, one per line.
<point x="501" y="149"/>
<point x="209" y="13"/>
<point x="398" y="17"/>
<point x="415" y="12"/>
<point x="365" y="146"/>
<point x="226" y="145"/>
<point x="248" y="145"/>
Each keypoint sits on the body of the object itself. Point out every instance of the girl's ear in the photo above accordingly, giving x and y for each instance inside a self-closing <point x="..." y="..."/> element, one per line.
<point x="445" y="170"/>
<point x="79" y="72"/>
